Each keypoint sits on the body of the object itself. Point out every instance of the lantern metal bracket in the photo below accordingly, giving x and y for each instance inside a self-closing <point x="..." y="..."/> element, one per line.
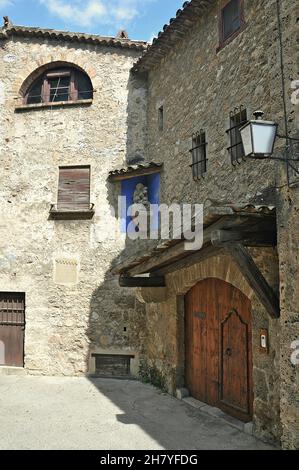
<point x="287" y="138"/>
<point x="289" y="148"/>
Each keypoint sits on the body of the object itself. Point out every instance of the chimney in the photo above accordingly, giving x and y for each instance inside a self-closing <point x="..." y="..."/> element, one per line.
<point x="7" y="22"/>
<point x="122" y="34"/>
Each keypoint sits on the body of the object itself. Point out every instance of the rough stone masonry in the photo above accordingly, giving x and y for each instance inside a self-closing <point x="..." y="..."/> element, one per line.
<point x="68" y="316"/>
<point x="73" y="312"/>
<point x="198" y="84"/>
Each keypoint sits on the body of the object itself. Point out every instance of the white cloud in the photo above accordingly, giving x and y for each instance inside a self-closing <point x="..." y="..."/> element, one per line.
<point x="5" y="3"/>
<point x="87" y="13"/>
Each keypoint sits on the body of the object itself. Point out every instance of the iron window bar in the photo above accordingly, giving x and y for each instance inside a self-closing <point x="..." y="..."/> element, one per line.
<point x="199" y="155"/>
<point x="238" y="118"/>
<point x="71" y="95"/>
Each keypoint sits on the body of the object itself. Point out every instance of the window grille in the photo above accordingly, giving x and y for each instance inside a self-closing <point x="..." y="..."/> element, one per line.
<point x="199" y="155"/>
<point x="59" y="85"/>
<point x="238" y="117"/>
<point x="161" y="118"/>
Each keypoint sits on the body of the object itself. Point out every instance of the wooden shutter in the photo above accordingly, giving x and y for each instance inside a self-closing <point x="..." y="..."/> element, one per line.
<point x="74" y="188"/>
<point x="12" y="308"/>
<point x="12" y="326"/>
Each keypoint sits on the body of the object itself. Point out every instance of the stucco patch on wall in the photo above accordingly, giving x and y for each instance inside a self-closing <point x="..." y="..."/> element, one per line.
<point x="9" y="58"/>
<point x="66" y="270"/>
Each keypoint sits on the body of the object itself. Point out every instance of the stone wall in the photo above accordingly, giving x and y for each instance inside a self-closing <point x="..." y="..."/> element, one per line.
<point x="165" y="349"/>
<point x="288" y="220"/>
<point x="198" y="87"/>
<point x="65" y="323"/>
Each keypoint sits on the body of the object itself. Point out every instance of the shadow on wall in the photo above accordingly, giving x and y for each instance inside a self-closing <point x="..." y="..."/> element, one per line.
<point x="117" y="319"/>
<point x="136" y="151"/>
<point x="117" y="323"/>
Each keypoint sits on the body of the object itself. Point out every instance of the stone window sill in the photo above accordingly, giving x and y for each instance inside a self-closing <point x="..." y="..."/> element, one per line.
<point x="58" y="214"/>
<point x="224" y="42"/>
<point x="28" y="107"/>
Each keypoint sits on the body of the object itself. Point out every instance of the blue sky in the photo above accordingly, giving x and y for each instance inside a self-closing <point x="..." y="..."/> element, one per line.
<point x="143" y="19"/>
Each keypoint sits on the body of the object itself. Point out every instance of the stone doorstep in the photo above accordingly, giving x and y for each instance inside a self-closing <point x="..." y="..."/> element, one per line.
<point x="5" y="370"/>
<point x="183" y="395"/>
<point x="116" y="377"/>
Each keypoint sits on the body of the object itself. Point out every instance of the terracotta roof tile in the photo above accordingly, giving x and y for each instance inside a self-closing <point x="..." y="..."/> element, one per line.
<point x="26" y="31"/>
<point x="213" y="211"/>
<point x="137" y="169"/>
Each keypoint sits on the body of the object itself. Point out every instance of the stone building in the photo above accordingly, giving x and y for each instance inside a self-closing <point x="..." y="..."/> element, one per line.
<point x="222" y="322"/>
<point x="64" y="124"/>
<point x="159" y="124"/>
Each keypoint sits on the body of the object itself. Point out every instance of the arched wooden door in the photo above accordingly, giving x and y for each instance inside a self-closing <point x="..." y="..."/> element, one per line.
<point x="218" y="347"/>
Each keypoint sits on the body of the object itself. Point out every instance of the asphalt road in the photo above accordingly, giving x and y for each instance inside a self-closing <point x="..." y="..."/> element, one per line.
<point x="77" y="413"/>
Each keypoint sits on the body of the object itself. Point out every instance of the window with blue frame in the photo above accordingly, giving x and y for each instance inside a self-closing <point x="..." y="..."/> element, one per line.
<point x="151" y="183"/>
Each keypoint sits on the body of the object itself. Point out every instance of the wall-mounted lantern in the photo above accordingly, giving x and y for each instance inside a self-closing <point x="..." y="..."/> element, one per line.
<point x="258" y="136"/>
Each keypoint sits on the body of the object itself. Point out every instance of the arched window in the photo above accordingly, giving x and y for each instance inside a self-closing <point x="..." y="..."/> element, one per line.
<point x="59" y="85"/>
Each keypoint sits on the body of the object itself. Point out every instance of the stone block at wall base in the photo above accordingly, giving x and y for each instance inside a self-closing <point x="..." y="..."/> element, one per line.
<point x="12" y="371"/>
<point x="182" y="393"/>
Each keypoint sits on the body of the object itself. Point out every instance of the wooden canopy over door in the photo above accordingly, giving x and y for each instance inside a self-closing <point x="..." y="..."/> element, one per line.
<point x="12" y="326"/>
<point x="218" y="347"/>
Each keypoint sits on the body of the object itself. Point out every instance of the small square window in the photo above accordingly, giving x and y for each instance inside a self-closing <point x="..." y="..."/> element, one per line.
<point x="237" y="119"/>
<point x="199" y="155"/>
<point x="231" y="18"/>
<point x="161" y="118"/>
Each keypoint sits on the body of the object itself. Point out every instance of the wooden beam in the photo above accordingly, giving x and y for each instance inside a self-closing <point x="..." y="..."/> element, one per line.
<point x="157" y="281"/>
<point x="258" y="239"/>
<point x="198" y="257"/>
<point x="255" y="278"/>
<point x="215" y="218"/>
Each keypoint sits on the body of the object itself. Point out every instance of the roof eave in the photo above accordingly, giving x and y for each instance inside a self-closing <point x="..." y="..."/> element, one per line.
<point x="135" y="171"/>
<point x="173" y="32"/>
<point x="14" y="30"/>
<point x="233" y="216"/>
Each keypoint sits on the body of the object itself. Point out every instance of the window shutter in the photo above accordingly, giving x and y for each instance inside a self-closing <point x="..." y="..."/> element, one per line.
<point x="74" y="188"/>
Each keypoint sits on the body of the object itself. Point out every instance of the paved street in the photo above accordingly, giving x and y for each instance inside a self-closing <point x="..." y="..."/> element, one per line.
<point x="77" y="413"/>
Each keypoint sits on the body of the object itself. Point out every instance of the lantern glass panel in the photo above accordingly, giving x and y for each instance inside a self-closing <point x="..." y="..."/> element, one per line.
<point x="247" y="139"/>
<point x="258" y="137"/>
<point x="263" y="137"/>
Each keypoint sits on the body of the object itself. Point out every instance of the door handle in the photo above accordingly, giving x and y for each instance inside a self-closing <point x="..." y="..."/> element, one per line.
<point x="228" y="352"/>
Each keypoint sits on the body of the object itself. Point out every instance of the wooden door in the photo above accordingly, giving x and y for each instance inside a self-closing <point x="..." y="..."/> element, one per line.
<point x="218" y="347"/>
<point x="12" y="326"/>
